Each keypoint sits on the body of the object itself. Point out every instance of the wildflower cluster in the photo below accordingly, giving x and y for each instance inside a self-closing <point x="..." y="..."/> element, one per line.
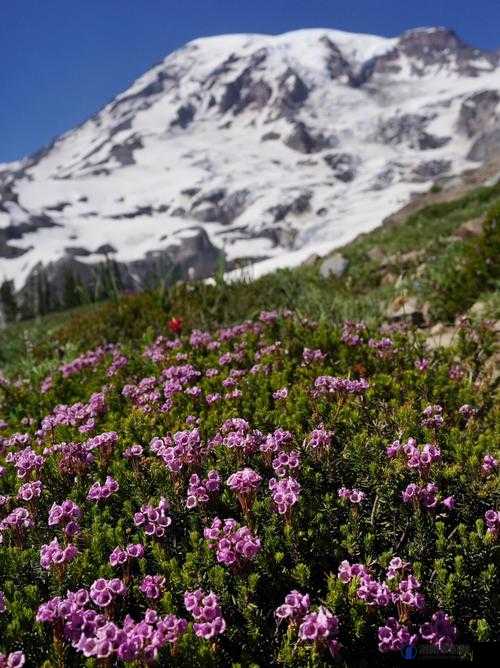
<point x="121" y="555"/>
<point x="354" y="496"/>
<point x="206" y="612"/>
<point x="92" y="634"/>
<point x="154" y="519"/>
<point x="243" y="474"/>
<point x="98" y="492"/>
<point x="419" y="458"/>
<point x="200" y="489"/>
<point x="234" y="545"/>
<point x="285" y="493"/>
<point x="53" y="554"/>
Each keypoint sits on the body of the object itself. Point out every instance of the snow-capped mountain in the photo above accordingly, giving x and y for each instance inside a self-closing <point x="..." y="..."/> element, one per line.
<point x="261" y="148"/>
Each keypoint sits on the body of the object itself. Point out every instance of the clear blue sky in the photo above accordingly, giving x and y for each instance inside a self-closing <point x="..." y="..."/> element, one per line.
<point x="61" y="60"/>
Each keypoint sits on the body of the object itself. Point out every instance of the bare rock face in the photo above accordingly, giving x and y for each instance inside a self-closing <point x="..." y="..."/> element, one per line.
<point x="306" y="141"/>
<point x="124" y="153"/>
<point x="295" y="206"/>
<point x="377" y="254"/>
<point x="431" y="169"/>
<point x="337" y="66"/>
<point x="215" y="206"/>
<point x="479" y="112"/>
<point x="486" y="146"/>
<point x="410" y="129"/>
<point x="343" y="165"/>
<point x="245" y="90"/>
<point x="185" y="116"/>
<point x="292" y="91"/>
<point x="440" y="336"/>
<point x="46" y="288"/>
<point x="440" y="46"/>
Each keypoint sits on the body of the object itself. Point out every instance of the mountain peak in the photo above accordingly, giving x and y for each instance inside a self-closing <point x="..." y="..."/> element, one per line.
<point x="255" y="147"/>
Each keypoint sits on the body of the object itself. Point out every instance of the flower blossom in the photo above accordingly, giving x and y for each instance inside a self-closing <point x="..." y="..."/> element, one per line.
<point x="334" y="385"/>
<point x="492" y="518"/>
<point x="244" y="483"/>
<point x="103" y="591"/>
<point x="30" y="490"/>
<point x="285" y="493"/>
<point x="233" y="544"/>
<point x="152" y="586"/>
<point x="282" y="393"/>
<point x="12" y="660"/>
<point x="286" y="462"/>
<point x="425" y="495"/>
<point x="295" y="607"/>
<point x="98" y="492"/>
<point x="349" y="571"/>
<point x="207" y="613"/>
<point x="432" y="417"/>
<point x="53" y="554"/>
<point x="440" y="631"/>
<point x="319" y="440"/>
<point x="394" y="636"/>
<point x="311" y="356"/>
<point x="355" y="496"/>
<point x="351" y="332"/>
<point x="200" y="490"/>
<point x="66" y="515"/>
<point x="121" y="555"/>
<point x="467" y="411"/>
<point x="320" y="628"/>
<point x="154" y="519"/>
<point x="489" y="465"/>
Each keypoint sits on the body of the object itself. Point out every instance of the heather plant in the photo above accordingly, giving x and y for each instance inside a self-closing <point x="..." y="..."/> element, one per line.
<point x="185" y="509"/>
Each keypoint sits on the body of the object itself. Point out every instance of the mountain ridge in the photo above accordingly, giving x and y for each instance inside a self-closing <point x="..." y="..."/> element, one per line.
<point x="256" y="147"/>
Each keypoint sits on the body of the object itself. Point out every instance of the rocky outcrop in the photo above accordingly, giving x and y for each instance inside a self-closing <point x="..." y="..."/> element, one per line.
<point x="410" y="129"/>
<point x="408" y="309"/>
<point x="48" y="287"/>
<point x="337" y="66"/>
<point x="244" y="91"/>
<point x="292" y="92"/>
<point x="304" y="140"/>
<point x="124" y="153"/>
<point x="486" y="147"/>
<point x="431" y="169"/>
<point x="335" y="265"/>
<point x="216" y="206"/>
<point x="296" y="206"/>
<point x="343" y="165"/>
<point x="479" y="112"/>
<point x="431" y="47"/>
<point x="185" y="116"/>
<point x="471" y="228"/>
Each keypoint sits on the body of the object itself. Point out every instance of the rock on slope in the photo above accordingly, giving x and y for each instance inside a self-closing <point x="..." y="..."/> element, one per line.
<point x="264" y="148"/>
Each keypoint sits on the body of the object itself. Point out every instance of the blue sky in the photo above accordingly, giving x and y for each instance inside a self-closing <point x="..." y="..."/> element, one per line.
<point x="61" y="60"/>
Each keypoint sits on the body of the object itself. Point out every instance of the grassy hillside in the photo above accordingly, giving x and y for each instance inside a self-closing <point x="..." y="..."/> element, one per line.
<point x="263" y="473"/>
<point x="450" y="274"/>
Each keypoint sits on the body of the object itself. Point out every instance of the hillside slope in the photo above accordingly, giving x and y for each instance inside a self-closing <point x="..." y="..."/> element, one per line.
<point x="188" y="477"/>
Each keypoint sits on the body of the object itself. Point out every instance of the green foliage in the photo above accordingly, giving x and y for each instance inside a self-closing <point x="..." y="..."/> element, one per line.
<point x="466" y="270"/>
<point x="449" y="551"/>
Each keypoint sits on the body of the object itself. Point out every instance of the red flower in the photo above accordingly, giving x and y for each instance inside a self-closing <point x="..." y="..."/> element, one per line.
<point x="175" y="325"/>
